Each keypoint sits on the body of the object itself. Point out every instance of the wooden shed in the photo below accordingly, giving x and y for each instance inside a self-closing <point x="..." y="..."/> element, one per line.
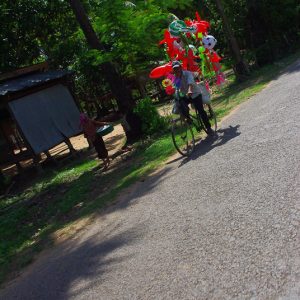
<point x="37" y="112"/>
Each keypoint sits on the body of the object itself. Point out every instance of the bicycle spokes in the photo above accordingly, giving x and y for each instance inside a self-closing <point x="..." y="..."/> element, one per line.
<point x="183" y="137"/>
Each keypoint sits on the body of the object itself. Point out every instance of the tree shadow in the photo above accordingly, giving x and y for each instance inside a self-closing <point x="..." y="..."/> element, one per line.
<point x="112" y="141"/>
<point x="294" y="68"/>
<point x="146" y="186"/>
<point x="32" y="222"/>
<point x="86" y="263"/>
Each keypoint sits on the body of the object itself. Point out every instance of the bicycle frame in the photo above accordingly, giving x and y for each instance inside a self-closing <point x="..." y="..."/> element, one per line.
<point x="196" y="120"/>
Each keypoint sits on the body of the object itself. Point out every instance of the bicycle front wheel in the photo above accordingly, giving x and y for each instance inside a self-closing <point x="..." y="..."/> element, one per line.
<point x="183" y="137"/>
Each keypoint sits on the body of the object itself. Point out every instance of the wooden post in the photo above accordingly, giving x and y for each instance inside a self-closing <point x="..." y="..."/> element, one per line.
<point x="73" y="152"/>
<point x="50" y="157"/>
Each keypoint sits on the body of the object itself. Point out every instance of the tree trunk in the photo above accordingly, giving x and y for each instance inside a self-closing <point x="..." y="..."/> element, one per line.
<point x="241" y="68"/>
<point x="260" y="36"/>
<point x="111" y="75"/>
<point x="2" y="181"/>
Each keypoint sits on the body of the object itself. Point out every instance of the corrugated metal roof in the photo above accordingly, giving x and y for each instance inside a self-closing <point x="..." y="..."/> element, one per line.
<point x="28" y="81"/>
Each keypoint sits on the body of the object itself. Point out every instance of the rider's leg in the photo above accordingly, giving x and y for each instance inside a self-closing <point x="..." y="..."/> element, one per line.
<point x="199" y="106"/>
<point x="184" y="108"/>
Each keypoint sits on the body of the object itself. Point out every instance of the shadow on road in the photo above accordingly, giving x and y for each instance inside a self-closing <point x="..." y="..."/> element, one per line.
<point x="294" y="68"/>
<point x="84" y="265"/>
<point x="53" y="275"/>
<point x="210" y="142"/>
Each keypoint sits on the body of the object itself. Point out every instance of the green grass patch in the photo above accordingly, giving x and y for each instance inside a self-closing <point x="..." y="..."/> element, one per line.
<point x="62" y="197"/>
<point x="50" y="181"/>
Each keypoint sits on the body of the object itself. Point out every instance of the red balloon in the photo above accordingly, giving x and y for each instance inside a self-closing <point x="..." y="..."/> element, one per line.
<point x="170" y="90"/>
<point x="181" y="55"/>
<point x="167" y="38"/>
<point x="161" y="71"/>
<point x="184" y="63"/>
<point x="216" y="67"/>
<point x="188" y="22"/>
<point x="215" y="57"/>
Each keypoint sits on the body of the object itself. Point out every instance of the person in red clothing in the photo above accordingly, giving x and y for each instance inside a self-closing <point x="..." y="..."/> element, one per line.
<point x="89" y="128"/>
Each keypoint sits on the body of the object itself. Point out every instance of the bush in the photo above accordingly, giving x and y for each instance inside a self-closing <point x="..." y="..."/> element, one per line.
<point x="152" y="122"/>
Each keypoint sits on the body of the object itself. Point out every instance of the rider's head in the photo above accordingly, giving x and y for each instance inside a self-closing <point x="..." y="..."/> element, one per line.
<point x="176" y="65"/>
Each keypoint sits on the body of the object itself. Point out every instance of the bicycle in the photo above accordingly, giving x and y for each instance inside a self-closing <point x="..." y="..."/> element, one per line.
<point x="182" y="129"/>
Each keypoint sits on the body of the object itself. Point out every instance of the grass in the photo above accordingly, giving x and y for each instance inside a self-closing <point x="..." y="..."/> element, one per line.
<point x="63" y="197"/>
<point x="56" y="202"/>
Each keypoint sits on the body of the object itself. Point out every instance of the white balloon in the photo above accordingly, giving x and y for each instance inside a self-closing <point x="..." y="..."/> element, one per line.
<point x="209" y="42"/>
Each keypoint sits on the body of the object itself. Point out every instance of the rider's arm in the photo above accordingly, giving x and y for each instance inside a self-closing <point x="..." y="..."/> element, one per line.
<point x="98" y="123"/>
<point x="190" y="90"/>
<point x="190" y="82"/>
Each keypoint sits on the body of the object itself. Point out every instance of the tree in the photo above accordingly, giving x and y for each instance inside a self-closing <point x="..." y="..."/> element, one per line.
<point x="273" y="28"/>
<point x="36" y="30"/>
<point x="241" y="69"/>
<point x="115" y="81"/>
<point x="2" y="180"/>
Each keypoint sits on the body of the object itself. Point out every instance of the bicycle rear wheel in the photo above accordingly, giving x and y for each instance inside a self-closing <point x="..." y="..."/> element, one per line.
<point x="183" y="137"/>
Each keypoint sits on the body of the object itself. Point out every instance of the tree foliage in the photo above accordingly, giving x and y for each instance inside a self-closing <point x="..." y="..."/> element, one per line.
<point x="35" y="30"/>
<point x="265" y="29"/>
<point x="152" y="121"/>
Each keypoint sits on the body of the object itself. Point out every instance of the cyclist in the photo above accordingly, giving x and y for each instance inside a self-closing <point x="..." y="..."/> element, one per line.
<point x="185" y="82"/>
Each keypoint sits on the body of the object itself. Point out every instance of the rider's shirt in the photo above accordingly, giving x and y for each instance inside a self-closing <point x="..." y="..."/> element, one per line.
<point x="185" y="80"/>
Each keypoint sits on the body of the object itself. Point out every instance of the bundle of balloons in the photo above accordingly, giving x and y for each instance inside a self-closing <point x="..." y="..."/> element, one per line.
<point x="188" y="41"/>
